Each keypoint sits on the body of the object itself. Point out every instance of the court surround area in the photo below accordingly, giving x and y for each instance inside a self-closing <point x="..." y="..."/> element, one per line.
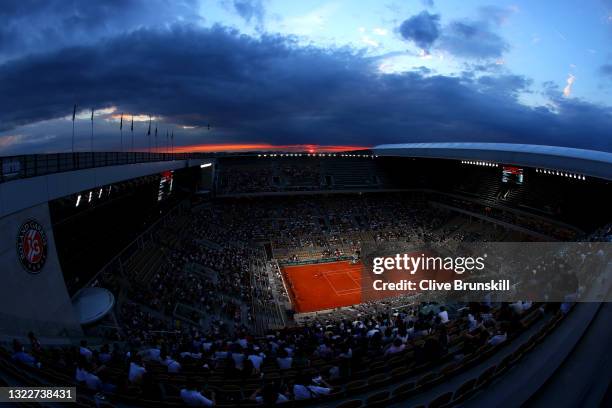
<point x="329" y="285"/>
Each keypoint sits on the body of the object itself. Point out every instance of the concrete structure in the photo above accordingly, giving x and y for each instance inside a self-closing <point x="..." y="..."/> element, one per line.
<point x="33" y="294"/>
<point x="586" y="162"/>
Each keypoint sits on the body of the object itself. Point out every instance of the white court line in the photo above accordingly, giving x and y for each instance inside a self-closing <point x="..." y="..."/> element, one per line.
<point x="353" y="279"/>
<point x="331" y="285"/>
<point x="346" y="291"/>
<point x="346" y="270"/>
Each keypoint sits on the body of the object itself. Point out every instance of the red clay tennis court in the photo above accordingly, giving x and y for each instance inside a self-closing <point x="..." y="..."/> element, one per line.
<point x="330" y="285"/>
<point x="324" y="285"/>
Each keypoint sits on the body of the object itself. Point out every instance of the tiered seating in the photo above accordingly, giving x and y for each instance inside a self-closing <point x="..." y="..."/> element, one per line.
<point x="406" y="370"/>
<point x="352" y="173"/>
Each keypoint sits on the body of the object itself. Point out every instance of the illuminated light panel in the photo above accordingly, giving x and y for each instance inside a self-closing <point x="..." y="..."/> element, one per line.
<point x="479" y="163"/>
<point x="561" y="173"/>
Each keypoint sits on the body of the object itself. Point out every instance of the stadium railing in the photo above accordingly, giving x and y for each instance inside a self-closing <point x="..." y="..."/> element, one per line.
<point x="33" y="165"/>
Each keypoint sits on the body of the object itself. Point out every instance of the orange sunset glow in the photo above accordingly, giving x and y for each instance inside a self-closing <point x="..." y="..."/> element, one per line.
<point x="238" y="147"/>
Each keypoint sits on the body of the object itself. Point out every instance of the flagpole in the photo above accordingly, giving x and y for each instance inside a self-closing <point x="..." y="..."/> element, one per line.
<point x="149" y="135"/>
<point x="121" y="132"/>
<point x="73" y="116"/>
<point x="132" y="130"/>
<point x="72" y="135"/>
<point x="92" y="115"/>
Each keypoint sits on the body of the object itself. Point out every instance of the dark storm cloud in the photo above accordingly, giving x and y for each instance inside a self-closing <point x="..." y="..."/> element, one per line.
<point x="504" y="84"/>
<point x="250" y="10"/>
<point x="28" y="26"/>
<point x="606" y="70"/>
<point x="470" y="39"/>
<point x="422" y="29"/>
<point x="272" y="90"/>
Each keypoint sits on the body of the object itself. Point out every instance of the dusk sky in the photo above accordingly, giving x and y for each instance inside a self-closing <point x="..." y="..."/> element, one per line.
<point x="266" y="73"/>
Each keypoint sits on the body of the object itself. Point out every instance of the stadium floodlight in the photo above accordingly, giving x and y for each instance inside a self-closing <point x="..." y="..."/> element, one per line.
<point x="78" y="200"/>
<point x="90" y="194"/>
<point x="100" y="193"/>
<point x="205" y="165"/>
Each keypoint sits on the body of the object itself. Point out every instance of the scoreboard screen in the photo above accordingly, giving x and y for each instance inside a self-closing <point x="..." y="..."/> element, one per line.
<point x="512" y="175"/>
<point x="165" y="185"/>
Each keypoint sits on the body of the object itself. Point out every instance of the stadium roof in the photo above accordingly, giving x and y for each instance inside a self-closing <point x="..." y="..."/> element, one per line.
<point x="588" y="162"/>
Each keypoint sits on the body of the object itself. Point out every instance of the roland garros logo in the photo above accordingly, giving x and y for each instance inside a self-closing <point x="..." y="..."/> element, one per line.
<point x="32" y="246"/>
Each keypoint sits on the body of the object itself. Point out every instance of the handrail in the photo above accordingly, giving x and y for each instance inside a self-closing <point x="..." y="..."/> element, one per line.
<point x="33" y="165"/>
